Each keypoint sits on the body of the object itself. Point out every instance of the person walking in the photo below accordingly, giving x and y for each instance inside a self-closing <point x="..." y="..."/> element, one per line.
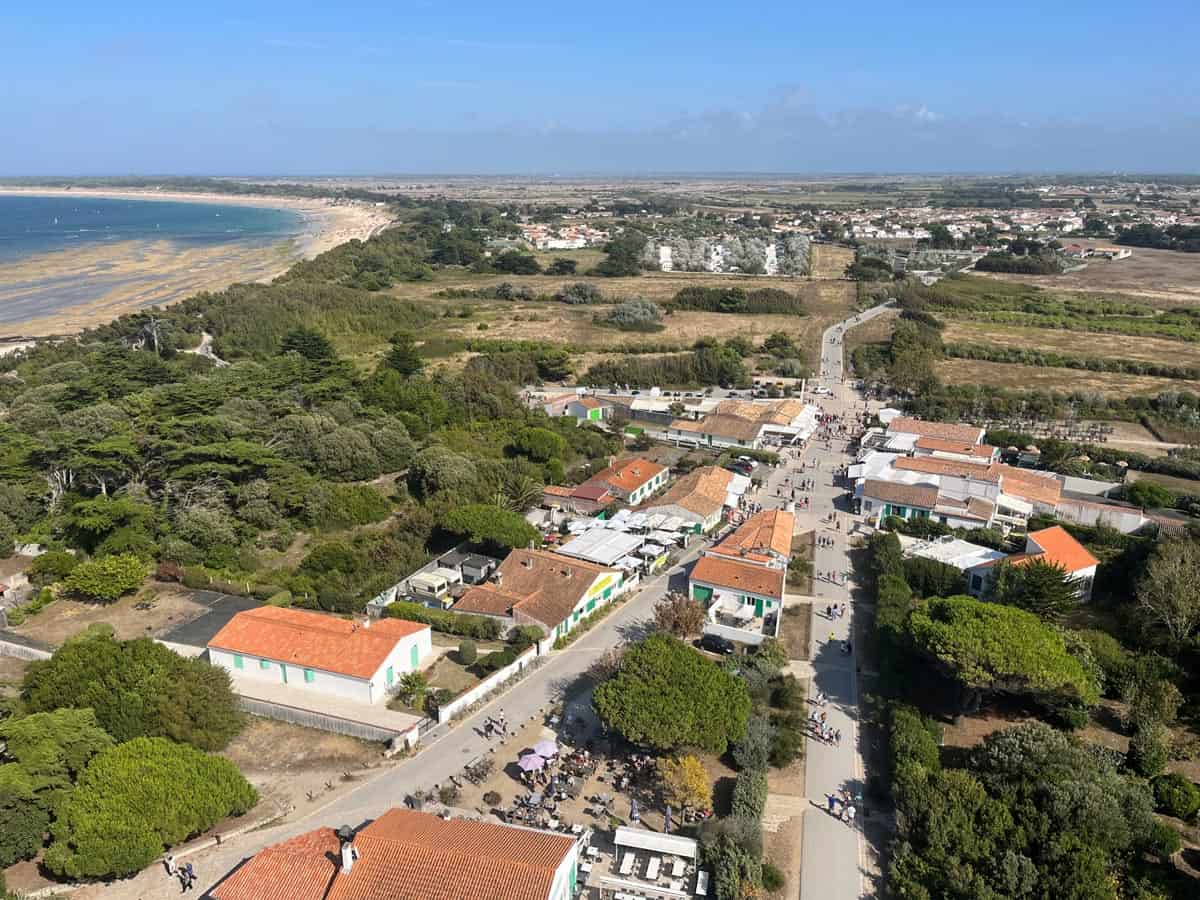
<point x="191" y="876"/>
<point x="169" y="862"/>
<point x="850" y="813"/>
<point x="831" y="801"/>
<point x="837" y="737"/>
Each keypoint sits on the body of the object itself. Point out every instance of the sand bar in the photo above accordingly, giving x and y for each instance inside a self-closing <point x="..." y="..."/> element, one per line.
<point x="176" y="272"/>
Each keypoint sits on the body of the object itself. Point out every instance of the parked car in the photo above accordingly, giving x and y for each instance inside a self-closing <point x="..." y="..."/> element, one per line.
<point x="714" y="643"/>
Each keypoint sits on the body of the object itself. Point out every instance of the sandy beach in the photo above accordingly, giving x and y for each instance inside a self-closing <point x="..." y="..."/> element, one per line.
<point x="132" y="275"/>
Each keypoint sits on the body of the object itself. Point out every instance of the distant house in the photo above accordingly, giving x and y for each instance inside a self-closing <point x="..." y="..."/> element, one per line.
<point x="741" y="581"/>
<point x="1055" y="546"/>
<point x="409" y="855"/>
<point x="747" y="423"/>
<point x="537" y="587"/>
<point x="632" y="481"/>
<point x="701" y="497"/>
<point x="310" y="651"/>
<point x="946" y="431"/>
<point x="589" y="409"/>
<point x="585" y="499"/>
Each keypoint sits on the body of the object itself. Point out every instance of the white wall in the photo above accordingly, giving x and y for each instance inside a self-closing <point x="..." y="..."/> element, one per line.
<point x="357" y="690"/>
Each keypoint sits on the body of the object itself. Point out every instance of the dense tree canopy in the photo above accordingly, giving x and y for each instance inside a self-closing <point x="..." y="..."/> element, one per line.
<point x="988" y="648"/>
<point x="483" y="523"/>
<point x="136" y="688"/>
<point x="668" y="695"/>
<point x="138" y="797"/>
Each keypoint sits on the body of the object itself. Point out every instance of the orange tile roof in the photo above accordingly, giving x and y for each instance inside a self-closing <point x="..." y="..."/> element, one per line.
<point x="739" y="576"/>
<point x="702" y="491"/>
<point x="313" y="640"/>
<point x="964" y="448"/>
<point x="628" y="476"/>
<point x="770" y="529"/>
<point x="407" y="855"/>
<point x="543" y="585"/>
<point x="1029" y="485"/>
<point x="296" y="869"/>
<point x="932" y="465"/>
<point x="1060" y="548"/>
<point x="557" y="490"/>
<point x="924" y="496"/>
<point x="948" y="431"/>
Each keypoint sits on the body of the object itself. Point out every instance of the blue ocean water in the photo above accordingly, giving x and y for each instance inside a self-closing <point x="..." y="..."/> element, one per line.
<point x="34" y="225"/>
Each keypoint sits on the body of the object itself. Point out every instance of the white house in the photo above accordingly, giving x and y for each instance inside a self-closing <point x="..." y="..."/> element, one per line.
<point x="310" y="651"/>
<point x="1055" y="546"/>
<point x="701" y="497"/>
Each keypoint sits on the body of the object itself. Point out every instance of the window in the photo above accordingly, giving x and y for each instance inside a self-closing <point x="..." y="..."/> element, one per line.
<point x="238" y="661"/>
<point x="309" y="676"/>
<point x="976" y="582"/>
<point x="264" y="664"/>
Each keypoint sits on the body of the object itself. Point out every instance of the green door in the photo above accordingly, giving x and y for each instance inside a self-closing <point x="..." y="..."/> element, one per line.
<point x="415" y="657"/>
<point x="758" y="607"/>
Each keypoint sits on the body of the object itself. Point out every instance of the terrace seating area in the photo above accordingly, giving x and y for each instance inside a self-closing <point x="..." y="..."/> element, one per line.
<point x="646" y="864"/>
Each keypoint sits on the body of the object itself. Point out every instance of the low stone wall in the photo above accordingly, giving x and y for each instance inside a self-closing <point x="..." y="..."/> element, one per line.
<point x="450" y="710"/>
<point x="335" y="724"/>
<point x="20" y="651"/>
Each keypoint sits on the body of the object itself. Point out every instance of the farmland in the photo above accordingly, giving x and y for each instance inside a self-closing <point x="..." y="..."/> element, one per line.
<point x="1038" y="378"/>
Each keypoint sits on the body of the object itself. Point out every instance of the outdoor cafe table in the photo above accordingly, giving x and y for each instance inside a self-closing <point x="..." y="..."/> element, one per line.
<point x="678" y="867"/>
<point x="653" y="867"/>
<point x="627" y="864"/>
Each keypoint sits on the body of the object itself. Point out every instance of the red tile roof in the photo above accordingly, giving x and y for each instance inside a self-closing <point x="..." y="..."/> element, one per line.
<point x="932" y="465"/>
<point x="297" y="869"/>
<point x="1060" y="548"/>
<point x="770" y="529"/>
<point x="924" y="496"/>
<point x="628" y="476"/>
<point x="313" y="640"/>
<point x="739" y="576"/>
<point x="949" y="431"/>
<point x="963" y="448"/>
<point x="406" y="855"/>
<point x="702" y="491"/>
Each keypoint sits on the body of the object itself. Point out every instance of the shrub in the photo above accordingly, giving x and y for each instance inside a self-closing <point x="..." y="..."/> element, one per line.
<point x="754" y="750"/>
<point x="106" y="579"/>
<point x="491" y="798"/>
<point x="479" y="628"/>
<point x="467" y="652"/>
<point x="1113" y="659"/>
<point x="635" y="315"/>
<point x="912" y="739"/>
<point x="1175" y="795"/>
<point x="749" y="795"/>
<point x="1148" y="752"/>
<point x="52" y="566"/>
<point x="788" y="744"/>
<point x="135" y="798"/>
<point x="498" y="659"/>
<point x="580" y="292"/>
<point x="1161" y="841"/>
<point x="448" y="794"/>
<point x="772" y="878"/>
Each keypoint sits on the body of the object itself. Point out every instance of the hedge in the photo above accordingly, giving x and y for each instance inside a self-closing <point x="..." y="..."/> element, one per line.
<point x="749" y="794"/>
<point x="478" y="628"/>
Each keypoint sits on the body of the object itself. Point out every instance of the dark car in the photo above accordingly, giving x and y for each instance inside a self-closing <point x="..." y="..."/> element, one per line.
<point x="714" y="643"/>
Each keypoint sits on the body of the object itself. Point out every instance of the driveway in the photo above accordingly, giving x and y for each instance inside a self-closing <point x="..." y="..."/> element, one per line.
<point x="221" y="608"/>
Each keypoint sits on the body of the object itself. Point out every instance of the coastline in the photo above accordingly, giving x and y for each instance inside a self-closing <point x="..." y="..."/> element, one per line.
<point x="138" y="274"/>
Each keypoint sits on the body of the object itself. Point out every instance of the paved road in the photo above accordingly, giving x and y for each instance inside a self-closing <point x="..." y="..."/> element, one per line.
<point x="834" y="859"/>
<point x="437" y="761"/>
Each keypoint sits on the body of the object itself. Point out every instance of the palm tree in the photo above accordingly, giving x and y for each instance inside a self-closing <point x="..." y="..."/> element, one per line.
<point x="412" y="688"/>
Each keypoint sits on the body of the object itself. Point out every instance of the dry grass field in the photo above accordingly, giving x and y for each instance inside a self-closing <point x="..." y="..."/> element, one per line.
<point x="830" y="260"/>
<point x="1109" y="346"/>
<point x="1160" y="277"/>
<point x="1035" y="378"/>
<point x="826" y="301"/>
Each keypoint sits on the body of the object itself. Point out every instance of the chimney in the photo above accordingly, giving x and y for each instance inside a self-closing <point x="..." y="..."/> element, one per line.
<point x="498" y="578"/>
<point x="349" y="851"/>
<point x="527" y="562"/>
<point x="366" y="623"/>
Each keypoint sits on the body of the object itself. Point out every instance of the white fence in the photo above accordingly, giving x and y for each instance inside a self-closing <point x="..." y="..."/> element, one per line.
<point x="741" y="635"/>
<point x="448" y="711"/>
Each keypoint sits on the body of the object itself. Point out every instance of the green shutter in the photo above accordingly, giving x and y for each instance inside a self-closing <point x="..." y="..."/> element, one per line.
<point x="415" y="657"/>
<point x="264" y="664"/>
<point x="310" y="676"/>
<point x="238" y="661"/>
<point x="390" y="676"/>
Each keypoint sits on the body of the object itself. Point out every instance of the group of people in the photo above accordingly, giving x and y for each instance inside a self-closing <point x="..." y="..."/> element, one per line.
<point x="835" y="610"/>
<point x="823" y="730"/>
<point x="847" y="810"/>
<point x="495" y="726"/>
<point x="185" y="873"/>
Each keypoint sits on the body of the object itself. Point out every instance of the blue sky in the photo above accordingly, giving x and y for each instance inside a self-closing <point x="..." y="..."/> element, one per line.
<point x="618" y="87"/>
